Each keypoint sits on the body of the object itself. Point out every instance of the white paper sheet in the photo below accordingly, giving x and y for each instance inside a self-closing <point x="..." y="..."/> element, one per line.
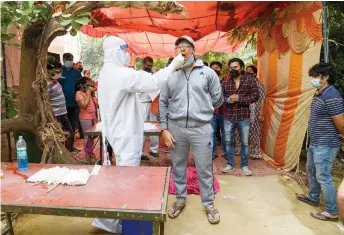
<point x="149" y="126"/>
<point x="58" y="175"/>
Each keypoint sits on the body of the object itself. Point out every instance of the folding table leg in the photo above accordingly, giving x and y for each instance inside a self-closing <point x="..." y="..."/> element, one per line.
<point x="162" y="228"/>
<point x="9" y="223"/>
<point x="88" y="155"/>
<point x="156" y="227"/>
<point x="101" y="150"/>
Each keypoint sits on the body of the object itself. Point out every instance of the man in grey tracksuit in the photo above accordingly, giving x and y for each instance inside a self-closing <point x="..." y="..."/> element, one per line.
<point x="186" y="108"/>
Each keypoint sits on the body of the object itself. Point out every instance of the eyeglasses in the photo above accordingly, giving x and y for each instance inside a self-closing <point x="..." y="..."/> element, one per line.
<point x="185" y="46"/>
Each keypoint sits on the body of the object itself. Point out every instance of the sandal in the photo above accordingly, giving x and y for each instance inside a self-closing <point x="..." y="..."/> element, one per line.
<point x="321" y="216"/>
<point x="212" y="213"/>
<point x="176" y="208"/>
<point x="304" y="198"/>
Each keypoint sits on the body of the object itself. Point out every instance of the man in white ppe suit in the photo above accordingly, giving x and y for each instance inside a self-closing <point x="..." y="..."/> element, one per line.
<point x="120" y="107"/>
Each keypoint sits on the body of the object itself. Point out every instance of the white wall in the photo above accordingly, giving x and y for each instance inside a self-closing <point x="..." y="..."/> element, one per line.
<point x="66" y="43"/>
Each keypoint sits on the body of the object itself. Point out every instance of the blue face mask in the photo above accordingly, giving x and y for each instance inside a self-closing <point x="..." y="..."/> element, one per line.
<point x="189" y="62"/>
<point x="148" y="70"/>
<point x="68" y="64"/>
<point x="316" y="83"/>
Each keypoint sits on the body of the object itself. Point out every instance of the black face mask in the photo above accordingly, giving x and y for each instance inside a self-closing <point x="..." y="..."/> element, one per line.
<point x="80" y="69"/>
<point x="148" y="70"/>
<point x="217" y="72"/>
<point x="234" y="73"/>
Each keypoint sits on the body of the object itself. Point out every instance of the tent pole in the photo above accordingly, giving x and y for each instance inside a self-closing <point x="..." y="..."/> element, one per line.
<point x="325" y="32"/>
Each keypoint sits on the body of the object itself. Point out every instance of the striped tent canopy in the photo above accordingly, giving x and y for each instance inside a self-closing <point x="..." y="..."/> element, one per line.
<point x="285" y="52"/>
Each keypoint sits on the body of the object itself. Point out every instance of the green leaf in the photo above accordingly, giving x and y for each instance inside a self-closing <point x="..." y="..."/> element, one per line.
<point x="83" y="20"/>
<point x="123" y="5"/>
<point x="7" y="37"/>
<point x="64" y="22"/>
<point x="66" y="15"/>
<point x="15" y="45"/>
<point x="20" y="11"/>
<point x="12" y="112"/>
<point x="76" y="25"/>
<point x="24" y="20"/>
<point x="84" y="14"/>
<point x="73" y="32"/>
<point x="31" y="3"/>
<point x="56" y="14"/>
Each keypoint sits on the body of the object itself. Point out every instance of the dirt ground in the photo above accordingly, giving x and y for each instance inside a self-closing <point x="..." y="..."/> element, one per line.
<point x="255" y="205"/>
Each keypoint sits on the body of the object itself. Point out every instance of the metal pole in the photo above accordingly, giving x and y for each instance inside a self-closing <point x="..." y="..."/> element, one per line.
<point x="6" y="104"/>
<point x="325" y="32"/>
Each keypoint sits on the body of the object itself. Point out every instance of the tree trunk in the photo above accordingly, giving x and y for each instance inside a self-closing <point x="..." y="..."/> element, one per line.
<point x="31" y="103"/>
<point x="36" y="114"/>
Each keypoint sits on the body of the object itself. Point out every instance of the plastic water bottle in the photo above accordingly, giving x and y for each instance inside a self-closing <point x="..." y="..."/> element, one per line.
<point x="22" y="155"/>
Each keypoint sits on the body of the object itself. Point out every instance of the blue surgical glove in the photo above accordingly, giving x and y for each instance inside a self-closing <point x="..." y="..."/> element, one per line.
<point x="228" y="100"/>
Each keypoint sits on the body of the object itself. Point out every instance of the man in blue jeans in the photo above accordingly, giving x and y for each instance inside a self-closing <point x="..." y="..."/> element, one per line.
<point x="326" y="124"/>
<point x="239" y="90"/>
<point x="218" y="118"/>
<point x="68" y="80"/>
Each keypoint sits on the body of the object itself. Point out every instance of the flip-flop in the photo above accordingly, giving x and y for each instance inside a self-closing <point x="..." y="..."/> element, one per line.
<point x="212" y="213"/>
<point x="304" y="198"/>
<point x="323" y="217"/>
<point x="176" y="208"/>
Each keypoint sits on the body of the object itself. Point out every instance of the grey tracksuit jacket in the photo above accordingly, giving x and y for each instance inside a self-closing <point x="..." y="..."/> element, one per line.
<point x="189" y="98"/>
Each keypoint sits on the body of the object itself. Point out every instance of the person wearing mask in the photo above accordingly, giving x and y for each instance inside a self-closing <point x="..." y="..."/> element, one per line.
<point x="218" y="118"/>
<point x="68" y="80"/>
<point x="79" y="66"/>
<point x="87" y="111"/>
<point x="186" y="109"/>
<point x="240" y="90"/>
<point x="256" y="120"/>
<point x="147" y="99"/>
<point x="120" y="107"/>
<point x="58" y="102"/>
<point x="326" y="125"/>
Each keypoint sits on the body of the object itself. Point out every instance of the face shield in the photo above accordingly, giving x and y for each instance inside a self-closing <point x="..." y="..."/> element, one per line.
<point x="115" y="51"/>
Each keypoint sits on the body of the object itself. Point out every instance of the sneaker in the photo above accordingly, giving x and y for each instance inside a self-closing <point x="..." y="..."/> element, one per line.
<point x="228" y="169"/>
<point x="154" y="154"/>
<point x="246" y="171"/>
<point x="144" y="157"/>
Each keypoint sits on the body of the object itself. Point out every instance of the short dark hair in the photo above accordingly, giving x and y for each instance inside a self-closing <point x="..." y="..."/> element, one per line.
<point x="254" y="68"/>
<point x="85" y="71"/>
<point x="205" y="63"/>
<point x="241" y="63"/>
<point x="67" y="56"/>
<point x="216" y="62"/>
<point x="322" y="69"/>
<point x="79" y="62"/>
<point x="147" y="59"/>
<point x="82" y="81"/>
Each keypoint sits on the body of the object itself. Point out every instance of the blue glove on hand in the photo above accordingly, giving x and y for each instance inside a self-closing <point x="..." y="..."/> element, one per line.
<point x="228" y="100"/>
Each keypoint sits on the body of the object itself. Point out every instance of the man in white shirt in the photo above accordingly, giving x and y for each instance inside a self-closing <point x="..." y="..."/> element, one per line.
<point x="146" y="100"/>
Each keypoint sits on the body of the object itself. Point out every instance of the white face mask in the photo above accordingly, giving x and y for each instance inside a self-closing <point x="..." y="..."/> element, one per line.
<point x="56" y="76"/>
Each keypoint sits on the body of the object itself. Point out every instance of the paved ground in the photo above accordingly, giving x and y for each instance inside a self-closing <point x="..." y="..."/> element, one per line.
<point x="257" y="206"/>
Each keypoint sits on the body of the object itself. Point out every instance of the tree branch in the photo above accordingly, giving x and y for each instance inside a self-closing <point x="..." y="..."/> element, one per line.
<point x="163" y="8"/>
<point x="16" y="124"/>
